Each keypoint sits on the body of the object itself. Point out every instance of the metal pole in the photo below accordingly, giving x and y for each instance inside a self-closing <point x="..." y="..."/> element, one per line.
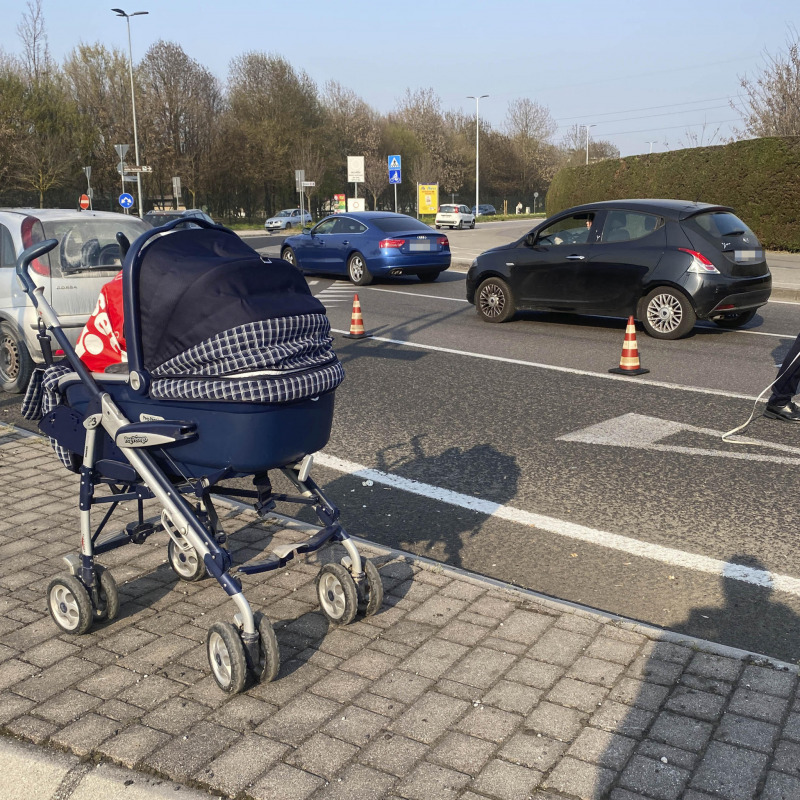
<point x="135" y="132"/>
<point x="477" y="100"/>
<point x="120" y="13"/>
<point x="587" y="141"/>
<point x="395" y="198"/>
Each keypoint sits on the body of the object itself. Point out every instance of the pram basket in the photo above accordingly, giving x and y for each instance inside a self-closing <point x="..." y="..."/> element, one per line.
<point x="230" y="374"/>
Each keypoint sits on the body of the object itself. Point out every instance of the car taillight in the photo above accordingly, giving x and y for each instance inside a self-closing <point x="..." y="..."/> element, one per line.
<point x="438" y="209"/>
<point x="28" y="224"/>
<point x="391" y="243"/>
<point x="700" y="264"/>
<point x="442" y="240"/>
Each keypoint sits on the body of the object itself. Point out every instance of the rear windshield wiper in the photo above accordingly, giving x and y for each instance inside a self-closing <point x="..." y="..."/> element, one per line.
<point x="734" y="233"/>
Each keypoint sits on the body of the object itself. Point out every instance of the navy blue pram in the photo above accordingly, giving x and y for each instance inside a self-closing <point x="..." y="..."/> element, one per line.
<point x="230" y="373"/>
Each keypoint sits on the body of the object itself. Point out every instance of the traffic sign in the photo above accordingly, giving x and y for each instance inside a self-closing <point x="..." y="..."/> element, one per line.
<point x="84" y="201"/>
<point x="126" y="200"/>
<point x="309" y="183"/>
<point x="141" y="168"/>
<point x="394" y="176"/>
<point x="355" y="169"/>
<point x="395" y="163"/>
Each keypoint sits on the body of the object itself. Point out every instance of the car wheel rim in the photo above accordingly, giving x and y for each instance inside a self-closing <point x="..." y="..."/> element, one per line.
<point x="9" y="358"/>
<point x="331" y="596"/>
<point x="219" y="658"/>
<point x="356" y="269"/>
<point x="492" y="300"/>
<point x="664" y="313"/>
<point x="288" y="257"/>
<point x="65" y="607"/>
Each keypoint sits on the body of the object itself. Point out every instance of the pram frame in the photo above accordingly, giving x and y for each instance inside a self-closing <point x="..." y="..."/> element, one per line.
<point x="134" y="439"/>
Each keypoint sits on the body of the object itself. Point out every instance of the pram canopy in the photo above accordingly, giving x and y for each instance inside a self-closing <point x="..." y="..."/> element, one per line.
<point x="208" y="318"/>
<point x="188" y="285"/>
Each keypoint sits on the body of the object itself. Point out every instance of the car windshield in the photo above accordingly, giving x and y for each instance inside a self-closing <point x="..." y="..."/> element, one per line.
<point x="400" y="223"/>
<point x="90" y="243"/>
<point x="449" y="209"/>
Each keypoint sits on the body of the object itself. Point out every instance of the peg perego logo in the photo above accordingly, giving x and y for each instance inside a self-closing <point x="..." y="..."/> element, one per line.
<point x="136" y="438"/>
<point x="150" y="418"/>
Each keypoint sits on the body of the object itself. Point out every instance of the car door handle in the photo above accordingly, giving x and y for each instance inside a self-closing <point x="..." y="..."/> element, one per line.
<point x="575" y="258"/>
<point x="346" y="242"/>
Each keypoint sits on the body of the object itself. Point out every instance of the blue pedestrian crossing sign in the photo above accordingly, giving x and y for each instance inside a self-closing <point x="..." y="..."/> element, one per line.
<point x="126" y="200"/>
<point x="395" y="169"/>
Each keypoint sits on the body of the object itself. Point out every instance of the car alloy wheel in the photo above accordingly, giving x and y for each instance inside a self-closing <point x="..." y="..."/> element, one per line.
<point x="667" y="314"/>
<point x="495" y="301"/>
<point x="357" y="270"/>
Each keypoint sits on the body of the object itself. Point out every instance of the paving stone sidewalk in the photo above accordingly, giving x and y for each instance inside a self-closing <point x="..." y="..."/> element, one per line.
<point x="460" y="688"/>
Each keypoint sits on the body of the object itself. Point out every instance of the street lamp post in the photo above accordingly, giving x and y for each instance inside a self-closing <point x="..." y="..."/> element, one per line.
<point x="477" y="100"/>
<point x="587" y="140"/>
<point x="120" y="13"/>
<point x="651" y="144"/>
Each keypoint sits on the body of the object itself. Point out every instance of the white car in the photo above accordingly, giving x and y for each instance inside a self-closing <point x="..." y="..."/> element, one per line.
<point x="72" y="275"/>
<point x="288" y="218"/>
<point x="454" y="216"/>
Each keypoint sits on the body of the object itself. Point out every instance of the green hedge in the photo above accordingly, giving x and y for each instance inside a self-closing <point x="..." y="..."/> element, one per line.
<point x="758" y="178"/>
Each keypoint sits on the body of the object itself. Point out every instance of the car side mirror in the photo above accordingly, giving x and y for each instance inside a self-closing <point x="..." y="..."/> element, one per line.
<point x="530" y="239"/>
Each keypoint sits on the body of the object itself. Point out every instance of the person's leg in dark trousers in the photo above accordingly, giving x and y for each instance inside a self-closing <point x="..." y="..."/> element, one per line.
<point x="780" y="405"/>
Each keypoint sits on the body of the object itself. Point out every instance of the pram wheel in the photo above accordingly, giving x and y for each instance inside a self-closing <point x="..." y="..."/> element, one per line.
<point x="69" y="605"/>
<point x="185" y="563"/>
<point x="373" y="590"/>
<point x="269" y="657"/>
<point x="226" y="657"/>
<point x="337" y="594"/>
<point x="109" y="595"/>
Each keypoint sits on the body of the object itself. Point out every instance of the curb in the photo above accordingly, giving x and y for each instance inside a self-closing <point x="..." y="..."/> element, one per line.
<point x="41" y="773"/>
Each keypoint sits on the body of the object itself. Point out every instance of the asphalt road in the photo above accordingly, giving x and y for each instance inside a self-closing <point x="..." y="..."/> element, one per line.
<point x="535" y="466"/>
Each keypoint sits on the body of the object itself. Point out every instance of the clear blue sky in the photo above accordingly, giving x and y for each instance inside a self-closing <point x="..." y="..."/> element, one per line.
<point x="638" y="70"/>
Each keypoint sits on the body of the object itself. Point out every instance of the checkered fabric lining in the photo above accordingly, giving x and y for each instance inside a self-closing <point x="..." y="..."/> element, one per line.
<point x="41" y="398"/>
<point x="291" y="357"/>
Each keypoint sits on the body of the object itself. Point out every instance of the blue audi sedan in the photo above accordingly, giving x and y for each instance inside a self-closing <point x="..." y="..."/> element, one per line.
<point x="369" y="244"/>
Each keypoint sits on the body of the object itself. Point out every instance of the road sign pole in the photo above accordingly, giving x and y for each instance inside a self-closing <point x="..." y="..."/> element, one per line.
<point x="395" y="198"/>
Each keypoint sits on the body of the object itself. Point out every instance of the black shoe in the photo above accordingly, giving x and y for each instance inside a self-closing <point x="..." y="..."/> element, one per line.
<point x="788" y="413"/>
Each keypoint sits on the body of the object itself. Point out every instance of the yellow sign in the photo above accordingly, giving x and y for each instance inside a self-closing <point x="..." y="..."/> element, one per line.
<point x="428" y="198"/>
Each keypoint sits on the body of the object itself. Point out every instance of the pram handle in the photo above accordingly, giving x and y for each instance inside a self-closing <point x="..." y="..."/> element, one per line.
<point x="26" y="258"/>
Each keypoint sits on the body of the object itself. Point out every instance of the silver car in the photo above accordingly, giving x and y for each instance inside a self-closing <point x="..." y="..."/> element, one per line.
<point x="288" y="218"/>
<point x="71" y="275"/>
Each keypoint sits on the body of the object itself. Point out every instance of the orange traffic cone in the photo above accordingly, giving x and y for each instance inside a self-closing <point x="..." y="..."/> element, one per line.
<point x="629" y="362"/>
<point x="356" y="322"/>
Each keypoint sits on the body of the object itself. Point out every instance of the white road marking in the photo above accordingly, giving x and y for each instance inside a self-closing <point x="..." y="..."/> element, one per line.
<point x="640" y="432"/>
<point x="613" y="541"/>
<point x="604" y="375"/>
<point x="416" y="294"/>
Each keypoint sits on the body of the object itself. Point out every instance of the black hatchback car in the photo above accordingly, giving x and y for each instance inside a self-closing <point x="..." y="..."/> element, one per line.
<point x="667" y="262"/>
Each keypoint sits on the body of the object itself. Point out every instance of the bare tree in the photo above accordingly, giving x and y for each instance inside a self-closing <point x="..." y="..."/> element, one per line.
<point x="529" y="127"/>
<point x="772" y="107"/>
<point x="31" y="32"/>
<point x="98" y="82"/>
<point x="573" y="147"/>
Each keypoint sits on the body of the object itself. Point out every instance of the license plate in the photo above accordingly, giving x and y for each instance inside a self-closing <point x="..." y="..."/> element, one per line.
<point x="426" y="245"/>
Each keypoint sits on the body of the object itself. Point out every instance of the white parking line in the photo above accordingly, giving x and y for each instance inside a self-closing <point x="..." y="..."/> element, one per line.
<point x="613" y="541"/>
